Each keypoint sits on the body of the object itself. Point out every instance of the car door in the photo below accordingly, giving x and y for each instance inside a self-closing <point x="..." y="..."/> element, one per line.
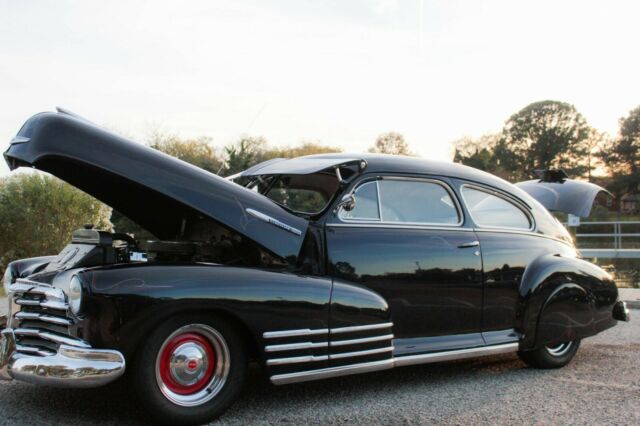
<point x="505" y="228"/>
<point x="406" y="240"/>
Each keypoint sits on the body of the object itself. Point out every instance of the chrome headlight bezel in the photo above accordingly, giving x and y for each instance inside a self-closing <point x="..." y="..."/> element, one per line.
<point x="75" y="295"/>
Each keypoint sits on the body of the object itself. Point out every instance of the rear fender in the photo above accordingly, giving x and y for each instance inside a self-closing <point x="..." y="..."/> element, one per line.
<point x="564" y="298"/>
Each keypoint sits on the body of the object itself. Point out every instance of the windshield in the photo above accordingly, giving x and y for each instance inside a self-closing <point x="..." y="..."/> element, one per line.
<point x="307" y="194"/>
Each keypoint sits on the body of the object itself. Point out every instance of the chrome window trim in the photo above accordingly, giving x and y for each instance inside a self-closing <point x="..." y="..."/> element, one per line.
<point x="441" y="228"/>
<point x="394" y="226"/>
<point x="456" y="203"/>
<point x="513" y="201"/>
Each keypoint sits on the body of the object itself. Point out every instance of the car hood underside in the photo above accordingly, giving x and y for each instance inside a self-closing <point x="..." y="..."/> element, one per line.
<point x="157" y="191"/>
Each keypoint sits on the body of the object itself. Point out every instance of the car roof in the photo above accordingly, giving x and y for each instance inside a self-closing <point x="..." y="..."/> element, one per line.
<point x="385" y="163"/>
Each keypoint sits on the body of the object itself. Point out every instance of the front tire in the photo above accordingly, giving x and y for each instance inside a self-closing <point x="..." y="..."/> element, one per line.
<point x="548" y="357"/>
<point x="190" y="370"/>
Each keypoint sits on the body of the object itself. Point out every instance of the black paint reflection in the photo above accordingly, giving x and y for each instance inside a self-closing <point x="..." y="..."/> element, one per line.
<point x="432" y="286"/>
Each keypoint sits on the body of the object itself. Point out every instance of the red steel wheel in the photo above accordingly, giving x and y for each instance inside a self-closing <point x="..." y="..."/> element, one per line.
<point x="192" y="365"/>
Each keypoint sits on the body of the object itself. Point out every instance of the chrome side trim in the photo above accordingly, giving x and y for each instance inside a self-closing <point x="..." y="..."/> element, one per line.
<point x="273" y="221"/>
<point x="327" y="373"/>
<point x="52" y="337"/>
<point x="361" y="353"/>
<point x="454" y="355"/>
<point x="292" y="333"/>
<point x="295" y="346"/>
<point x="43" y="317"/>
<point x="297" y="359"/>
<point x="318" y="331"/>
<point x="361" y="328"/>
<point x="363" y="340"/>
<point x="394" y="226"/>
<point x="315" y="358"/>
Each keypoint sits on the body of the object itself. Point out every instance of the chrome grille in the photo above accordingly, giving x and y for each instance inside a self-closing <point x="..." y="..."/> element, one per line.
<point x="40" y="318"/>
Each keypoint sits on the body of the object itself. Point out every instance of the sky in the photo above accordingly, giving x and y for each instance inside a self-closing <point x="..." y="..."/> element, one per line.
<point x="334" y="71"/>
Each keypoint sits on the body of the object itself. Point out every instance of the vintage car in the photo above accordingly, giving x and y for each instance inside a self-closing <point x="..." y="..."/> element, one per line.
<point x="314" y="267"/>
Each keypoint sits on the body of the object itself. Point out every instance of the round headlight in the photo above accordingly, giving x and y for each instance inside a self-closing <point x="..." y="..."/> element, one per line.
<point x="75" y="294"/>
<point x="7" y="279"/>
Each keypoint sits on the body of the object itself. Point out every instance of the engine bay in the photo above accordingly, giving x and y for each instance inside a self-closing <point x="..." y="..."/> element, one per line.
<point x="92" y="247"/>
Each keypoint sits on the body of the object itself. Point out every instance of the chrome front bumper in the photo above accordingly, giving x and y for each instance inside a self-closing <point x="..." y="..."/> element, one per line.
<point x="69" y="367"/>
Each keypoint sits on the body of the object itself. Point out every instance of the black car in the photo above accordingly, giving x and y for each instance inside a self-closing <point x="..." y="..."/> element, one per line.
<point x="315" y="267"/>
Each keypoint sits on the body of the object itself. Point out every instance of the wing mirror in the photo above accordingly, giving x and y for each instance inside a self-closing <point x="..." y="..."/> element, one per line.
<point x="347" y="203"/>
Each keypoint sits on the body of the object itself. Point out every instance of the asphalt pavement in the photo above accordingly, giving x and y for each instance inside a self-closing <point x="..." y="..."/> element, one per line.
<point x="601" y="385"/>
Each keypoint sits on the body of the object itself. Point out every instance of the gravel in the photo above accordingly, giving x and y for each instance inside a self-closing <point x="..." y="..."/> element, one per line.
<point x="601" y="385"/>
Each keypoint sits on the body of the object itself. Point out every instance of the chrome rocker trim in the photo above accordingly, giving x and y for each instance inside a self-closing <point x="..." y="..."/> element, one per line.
<point x="366" y="367"/>
<point x="69" y="367"/>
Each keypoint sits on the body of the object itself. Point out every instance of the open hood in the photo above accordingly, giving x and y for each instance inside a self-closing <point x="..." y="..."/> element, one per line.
<point x="156" y="190"/>
<point x="563" y="195"/>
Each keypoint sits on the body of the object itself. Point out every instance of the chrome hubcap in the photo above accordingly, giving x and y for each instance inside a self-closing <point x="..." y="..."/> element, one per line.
<point x="560" y="349"/>
<point x="188" y="363"/>
<point x="192" y="365"/>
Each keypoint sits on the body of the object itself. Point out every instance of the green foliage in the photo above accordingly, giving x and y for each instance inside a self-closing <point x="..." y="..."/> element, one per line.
<point x="199" y="151"/>
<point x="244" y="154"/>
<point x="38" y="213"/>
<point x="478" y="153"/>
<point x="249" y="151"/>
<point x="621" y="155"/>
<point x="391" y="143"/>
<point x="547" y="134"/>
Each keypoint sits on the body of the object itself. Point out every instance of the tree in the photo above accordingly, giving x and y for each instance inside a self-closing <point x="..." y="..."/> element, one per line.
<point x="38" y="213"/>
<point x="547" y="134"/>
<point x="249" y="151"/>
<point x="244" y="154"/>
<point x="198" y="151"/>
<point x="621" y="155"/>
<point x="477" y="153"/>
<point x="391" y="143"/>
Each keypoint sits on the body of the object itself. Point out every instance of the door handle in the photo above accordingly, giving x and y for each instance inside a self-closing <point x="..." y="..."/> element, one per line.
<point x="469" y="244"/>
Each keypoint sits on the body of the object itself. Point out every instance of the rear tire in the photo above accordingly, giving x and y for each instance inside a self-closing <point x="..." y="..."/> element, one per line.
<point x="190" y="370"/>
<point x="548" y="357"/>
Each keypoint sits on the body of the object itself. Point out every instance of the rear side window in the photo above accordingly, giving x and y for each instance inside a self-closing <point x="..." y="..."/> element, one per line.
<point x="404" y="201"/>
<point x="492" y="211"/>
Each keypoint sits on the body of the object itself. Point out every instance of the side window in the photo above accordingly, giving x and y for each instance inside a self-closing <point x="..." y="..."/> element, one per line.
<point x="403" y="201"/>
<point x="493" y="211"/>
<point x="366" y="203"/>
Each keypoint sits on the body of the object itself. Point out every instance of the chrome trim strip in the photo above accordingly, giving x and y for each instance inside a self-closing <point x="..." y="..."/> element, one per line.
<point x="361" y="353"/>
<point x="454" y="355"/>
<point x="361" y="328"/>
<point x="315" y="358"/>
<point x="394" y="226"/>
<point x="44" y="304"/>
<point x="42" y="317"/>
<point x="33" y="350"/>
<point x="363" y="340"/>
<point x="295" y="346"/>
<point x="331" y="372"/>
<point x="32" y="332"/>
<point x="292" y="333"/>
<point x="273" y="221"/>
<point x="297" y="359"/>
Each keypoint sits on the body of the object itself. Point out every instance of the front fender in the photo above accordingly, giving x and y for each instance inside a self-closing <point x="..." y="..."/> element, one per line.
<point x="126" y="302"/>
<point x="564" y="298"/>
